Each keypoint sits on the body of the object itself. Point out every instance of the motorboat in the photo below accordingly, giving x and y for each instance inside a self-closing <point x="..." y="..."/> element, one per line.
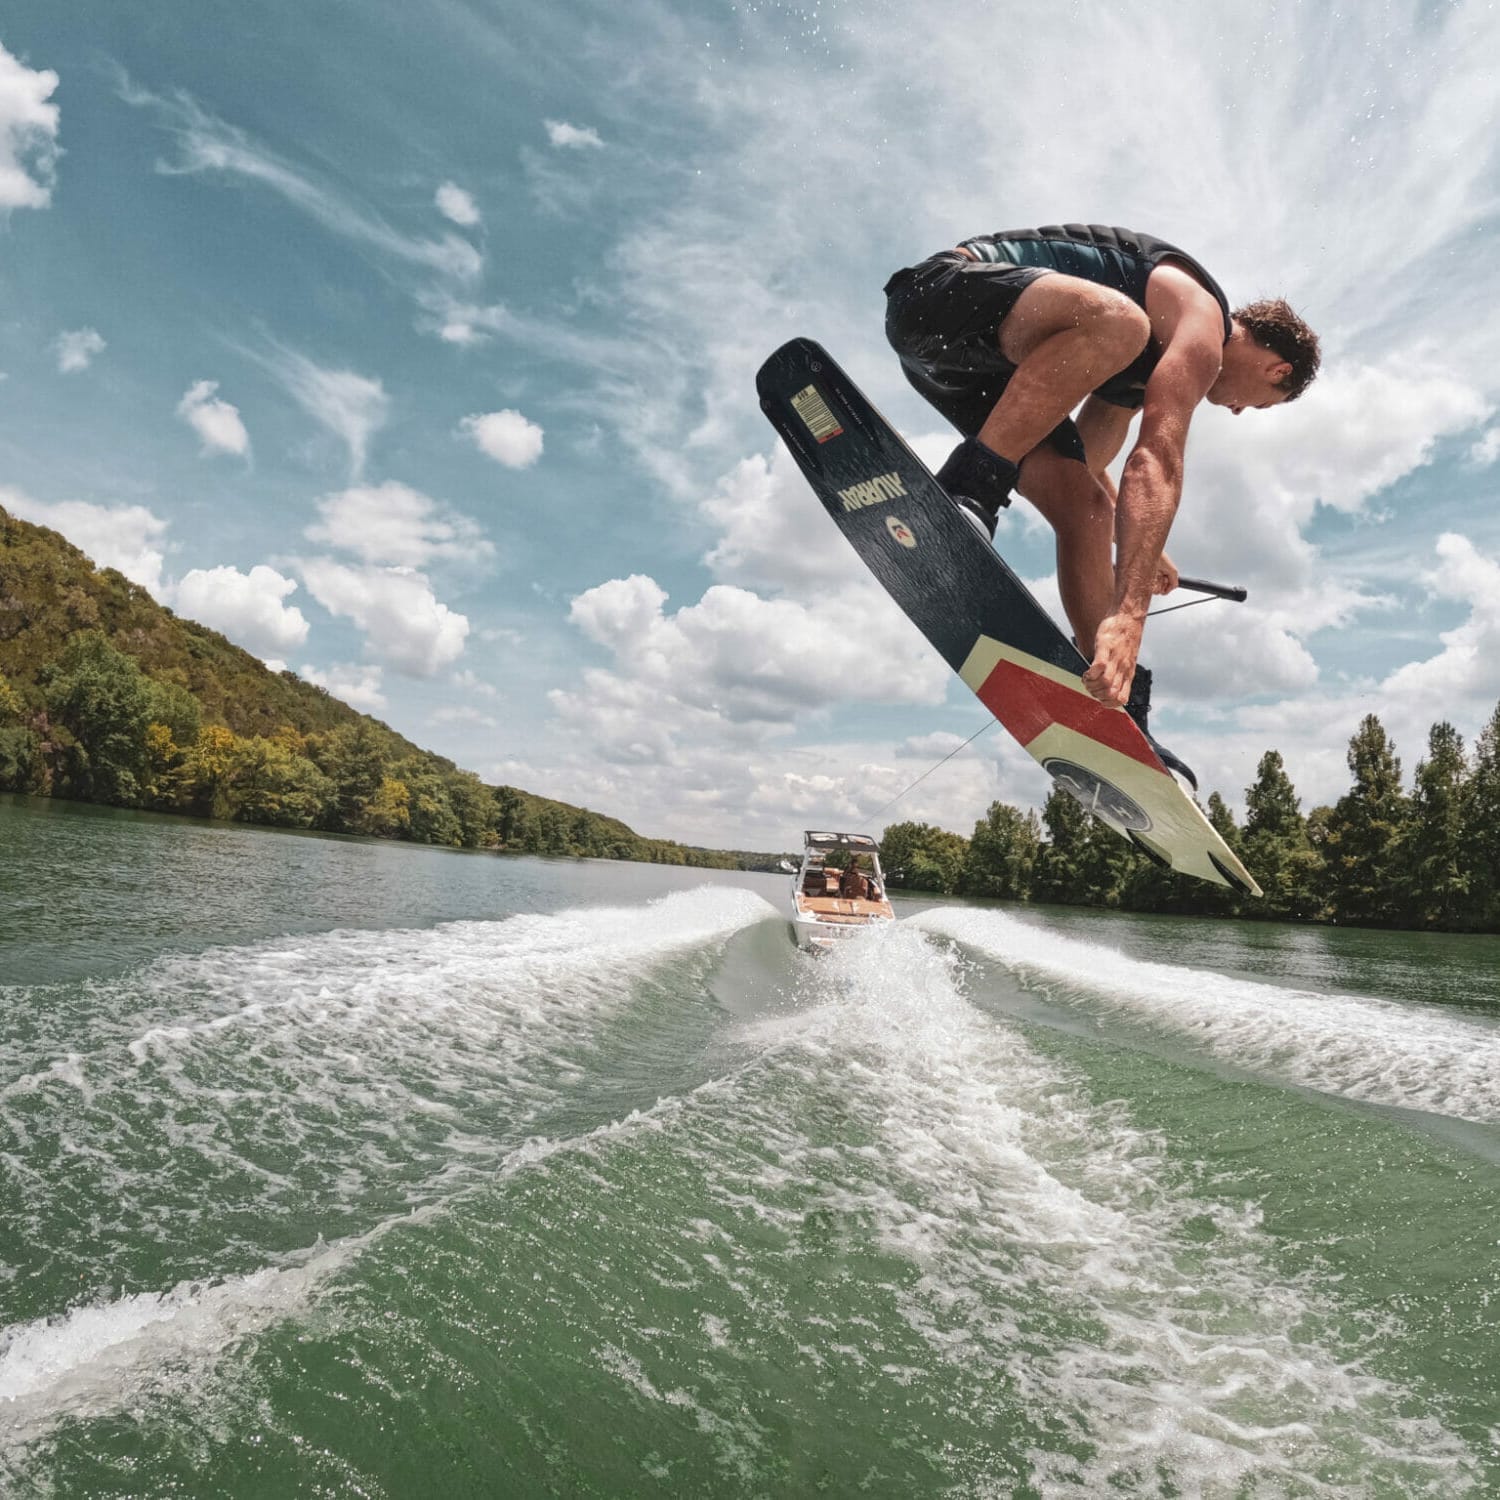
<point x="838" y="890"/>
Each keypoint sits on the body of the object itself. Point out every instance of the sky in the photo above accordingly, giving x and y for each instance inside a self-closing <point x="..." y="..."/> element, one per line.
<point x="413" y="347"/>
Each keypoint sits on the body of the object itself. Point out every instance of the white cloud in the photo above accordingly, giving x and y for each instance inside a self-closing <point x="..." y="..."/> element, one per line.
<point x="76" y="349"/>
<point x="506" y="436"/>
<point x="1486" y="450"/>
<point x="577" y="137"/>
<point x="210" y="145"/>
<point x="464" y="713"/>
<point x="357" y="685"/>
<point x="352" y="407"/>
<point x="404" y="622"/>
<point x="394" y="524"/>
<point x="1466" y="673"/>
<point x="456" y="204"/>
<point x="744" y="660"/>
<point x="125" y="537"/>
<point x="216" y="422"/>
<point x="773" y="532"/>
<point x="28" y="134"/>
<point x="471" y="682"/>
<point x="458" y="321"/>
<point x="249" y="608"/>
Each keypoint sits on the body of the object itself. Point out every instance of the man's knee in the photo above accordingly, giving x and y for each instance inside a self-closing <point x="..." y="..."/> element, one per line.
<point x="1115" y="327"/>
<point x="1118" y="329"/>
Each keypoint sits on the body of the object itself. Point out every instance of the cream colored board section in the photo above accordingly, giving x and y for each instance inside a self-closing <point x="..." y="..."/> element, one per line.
<point x="1179" y="828"/>
<point x="988" y="654"/>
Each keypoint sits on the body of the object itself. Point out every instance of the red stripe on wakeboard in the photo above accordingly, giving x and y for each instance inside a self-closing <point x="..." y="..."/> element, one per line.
<point x="1027" y="703"/>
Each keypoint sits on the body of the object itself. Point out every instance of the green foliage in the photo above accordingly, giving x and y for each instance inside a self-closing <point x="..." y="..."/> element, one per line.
<point x="173" y="707"/>
<point x="269" y="782"/>
<point x="19" y="746"/>
<point x="1082" y="862"/>
<point x="1366" y="829"/>
<point x="1480" y="804"/>
<point x="929" y="858"/>
<point x="100" y="702"/>
<point x="1001" y="854"/>
<point x="1276" y="847"/>
<point x="1432" y="880"/>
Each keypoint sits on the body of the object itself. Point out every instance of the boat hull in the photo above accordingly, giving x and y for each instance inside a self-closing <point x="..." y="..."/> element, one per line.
<point x="821" y="924"/>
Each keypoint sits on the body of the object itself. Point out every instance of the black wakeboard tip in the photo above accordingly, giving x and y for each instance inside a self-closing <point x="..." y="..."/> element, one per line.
<point x="1151" y="851"/>
<point x="1231" y="877"/>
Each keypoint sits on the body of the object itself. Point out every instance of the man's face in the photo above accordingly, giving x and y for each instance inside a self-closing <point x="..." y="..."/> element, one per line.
<point x="1250" y="377"/>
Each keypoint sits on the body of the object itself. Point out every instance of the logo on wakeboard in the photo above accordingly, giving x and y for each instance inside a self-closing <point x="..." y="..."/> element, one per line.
<point x="874" y="491"/>
<point x="901" y="531"/>
<point x="1096" y="795"/>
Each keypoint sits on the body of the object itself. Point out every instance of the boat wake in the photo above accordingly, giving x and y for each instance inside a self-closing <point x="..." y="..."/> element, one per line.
<point x="1358" y="1046"/>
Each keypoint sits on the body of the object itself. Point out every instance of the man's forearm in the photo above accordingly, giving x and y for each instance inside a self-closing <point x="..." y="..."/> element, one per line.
<point x="1149" y="492"/>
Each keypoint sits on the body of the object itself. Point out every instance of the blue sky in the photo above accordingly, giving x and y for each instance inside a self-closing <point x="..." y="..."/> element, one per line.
<point x="413" y="347"/>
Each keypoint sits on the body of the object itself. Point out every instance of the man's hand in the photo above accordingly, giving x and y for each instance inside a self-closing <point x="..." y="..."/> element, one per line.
<point x="1166" y="576"/>
<point x="1117" y="643"/>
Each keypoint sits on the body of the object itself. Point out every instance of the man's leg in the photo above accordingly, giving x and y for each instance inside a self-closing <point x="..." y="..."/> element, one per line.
<point x="1066" y="337"/>
<point x="1081" y="513"/>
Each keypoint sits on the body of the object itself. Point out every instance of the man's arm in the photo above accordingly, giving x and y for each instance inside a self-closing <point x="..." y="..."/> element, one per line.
<point x="1103" y="427"/>
<point x="1150" y="490"/>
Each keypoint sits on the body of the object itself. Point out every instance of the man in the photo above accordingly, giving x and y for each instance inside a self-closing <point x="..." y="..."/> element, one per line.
<point x="1007" y="333"/>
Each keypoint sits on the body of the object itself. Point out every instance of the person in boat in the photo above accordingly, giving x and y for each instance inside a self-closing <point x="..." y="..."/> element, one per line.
<point x="852" y="884"/>
<point x="1005" y="334"/>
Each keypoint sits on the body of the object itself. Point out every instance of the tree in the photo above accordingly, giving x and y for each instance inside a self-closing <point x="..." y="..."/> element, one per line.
<point x="930" y="858"/>
<point x="171" y="705"/>
<point x="18" y="742"/>
<point x="1276" y="849"/>
<point x="207" y="769"/>
<point x="388" y="813"/>
<point x="473" y="808"/>
<point x="354" y="759"/>
<point x="99" y="698"/>
<point x="1059" y="871"/>
<point x="515" y="820"/>
<point x="1433" y="878"/>
<point x="273" y="784"/>
<point x="1001" y="854"/>
<point x="1366" y="829"/>
<point x="1480" y="855"/>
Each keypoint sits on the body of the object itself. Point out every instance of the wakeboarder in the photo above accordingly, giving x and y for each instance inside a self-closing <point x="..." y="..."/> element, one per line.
<point x="1006" y="335"/>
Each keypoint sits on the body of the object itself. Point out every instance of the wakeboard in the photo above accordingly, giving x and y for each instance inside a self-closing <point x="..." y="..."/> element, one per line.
<point x="961" y="594"/>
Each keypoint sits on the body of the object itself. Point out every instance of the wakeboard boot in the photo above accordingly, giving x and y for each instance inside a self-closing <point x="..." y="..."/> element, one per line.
<point x="1138" y="707"/>
<point x="979" y="482"/>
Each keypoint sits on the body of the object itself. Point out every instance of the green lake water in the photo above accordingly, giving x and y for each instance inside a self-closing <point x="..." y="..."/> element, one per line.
<point x="332" y="1167"/>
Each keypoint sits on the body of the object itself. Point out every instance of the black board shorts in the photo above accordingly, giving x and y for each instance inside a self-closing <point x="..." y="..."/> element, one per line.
<point x="943" y="319"/>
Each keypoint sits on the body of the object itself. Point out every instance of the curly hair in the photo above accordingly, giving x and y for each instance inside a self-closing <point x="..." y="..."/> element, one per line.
<point x="1274" y="326"/>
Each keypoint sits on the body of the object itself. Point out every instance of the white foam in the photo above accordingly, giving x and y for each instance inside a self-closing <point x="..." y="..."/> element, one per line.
<point x="1359" y="1046"/>
<point x="90" y="1358"/>
<point x="1064" y="1264"/>
<point x="315" y="1078"/>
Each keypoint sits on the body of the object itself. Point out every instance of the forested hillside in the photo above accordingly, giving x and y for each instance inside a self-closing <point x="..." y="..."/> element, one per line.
<point x="107" y="696"/>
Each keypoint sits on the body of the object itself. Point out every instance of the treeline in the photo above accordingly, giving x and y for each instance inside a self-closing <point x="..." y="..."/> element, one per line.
<point x="104" y="731"/>
<point x="1380" y="856"/>
<point x="107" y="696"/>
